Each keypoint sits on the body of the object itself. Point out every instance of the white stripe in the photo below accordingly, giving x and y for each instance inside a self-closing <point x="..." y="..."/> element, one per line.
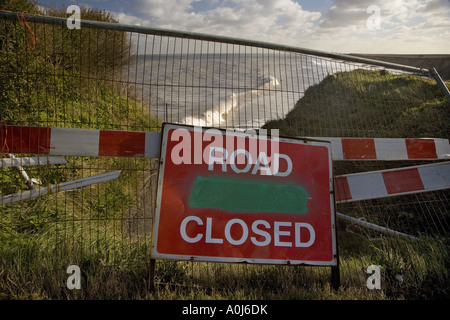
<point x="80" y="142"/>
<point x="336" y="148"/>
<point x="390" y="149"/>
<point x="30" y="161"/>
<point x="442" y="148"/>
<point x="152" y="144"/>
<point x="436" y="176"/>
<point x="369" y="185"/>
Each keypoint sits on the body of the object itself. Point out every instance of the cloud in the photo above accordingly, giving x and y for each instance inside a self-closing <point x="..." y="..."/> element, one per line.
<point x="131" y="19"/>
<point x="349" y="13"/>
<point x="435" y="7"/>
<point x="345" y="14"/>
<point x="405" y="25"/>
<point x="393" y="13"/>
<point x="256" y="19"/>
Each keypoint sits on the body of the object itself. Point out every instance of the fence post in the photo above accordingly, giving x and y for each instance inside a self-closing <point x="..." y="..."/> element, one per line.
<point x="440" y="83"/>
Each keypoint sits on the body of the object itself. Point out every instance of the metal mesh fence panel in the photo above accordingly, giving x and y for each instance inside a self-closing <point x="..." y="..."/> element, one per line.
<point x="108" y="76"/>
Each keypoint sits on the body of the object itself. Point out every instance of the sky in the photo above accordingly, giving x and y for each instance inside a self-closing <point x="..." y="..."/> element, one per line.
<point x="342" y="26"/>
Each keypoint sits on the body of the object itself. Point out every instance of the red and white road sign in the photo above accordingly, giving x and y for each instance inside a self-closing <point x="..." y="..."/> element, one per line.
<point x="229" y="197"/>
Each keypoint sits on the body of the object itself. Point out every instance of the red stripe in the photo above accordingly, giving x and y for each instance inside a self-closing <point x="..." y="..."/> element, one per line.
<point x="341" y="189"/>
<point x="358" y="149"/>
<point x="121" y="143"/>
<point x="18" y="139"/>
<point x="402" y="181"/>
<point x="421" y="148"/>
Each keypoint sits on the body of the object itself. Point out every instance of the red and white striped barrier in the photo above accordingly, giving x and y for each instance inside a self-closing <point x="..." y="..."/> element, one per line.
<point x="115" y="143"/>
<point x="388" y="148"/>
<point x="79" y="142"/>
<point x="393" y="182"/>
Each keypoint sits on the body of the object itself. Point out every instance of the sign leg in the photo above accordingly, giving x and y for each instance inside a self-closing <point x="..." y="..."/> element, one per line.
<point x="151" y="275"/>
<point x="335" y="277"/>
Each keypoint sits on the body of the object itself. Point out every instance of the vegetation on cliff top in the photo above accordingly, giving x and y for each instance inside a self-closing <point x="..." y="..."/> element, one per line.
<point x="364" y="103"/>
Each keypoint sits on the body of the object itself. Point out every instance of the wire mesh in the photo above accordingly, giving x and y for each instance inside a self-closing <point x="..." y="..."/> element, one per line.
<point x="105" y="78"/>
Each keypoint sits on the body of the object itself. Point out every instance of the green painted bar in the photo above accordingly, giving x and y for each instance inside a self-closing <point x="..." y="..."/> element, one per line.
<point x="239" y="196"/>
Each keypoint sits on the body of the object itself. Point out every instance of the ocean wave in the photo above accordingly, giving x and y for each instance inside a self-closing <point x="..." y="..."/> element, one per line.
<point x="219" y="114"/>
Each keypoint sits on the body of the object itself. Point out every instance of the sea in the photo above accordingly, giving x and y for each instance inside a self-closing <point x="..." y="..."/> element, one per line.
<point x="240" y="91"/>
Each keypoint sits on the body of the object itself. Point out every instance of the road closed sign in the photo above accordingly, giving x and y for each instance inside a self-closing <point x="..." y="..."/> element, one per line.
<point x="231" y="196"/>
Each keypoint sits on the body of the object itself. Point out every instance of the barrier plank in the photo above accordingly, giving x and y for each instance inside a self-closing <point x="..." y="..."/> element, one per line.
<point x="30" y="161"/>
<point x="392" y="182"/>
<point x="79" y="142"/>
<point x="388" y="149"/>
<point x="373" y="226"/>
<point x="119" y="143"/>
<point x="65" y="186"/>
